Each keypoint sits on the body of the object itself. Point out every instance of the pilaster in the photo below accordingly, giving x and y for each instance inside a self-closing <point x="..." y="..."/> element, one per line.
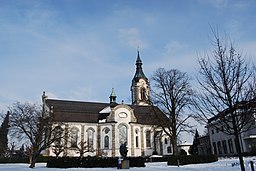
<point x="132" y="140"/>
<point x="142" y="141"/>
<point x="113" y="141"/>
<point x="98" y="150"/>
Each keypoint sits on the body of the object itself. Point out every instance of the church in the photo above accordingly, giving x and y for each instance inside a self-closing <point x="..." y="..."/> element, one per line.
<point x="104" y="127"/>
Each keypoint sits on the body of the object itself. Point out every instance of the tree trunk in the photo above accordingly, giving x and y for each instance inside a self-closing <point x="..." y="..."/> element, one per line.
<point x="32" y="160"/>
<point x="239" y="151"/>
<point x="174" y="146"/>
<point x="237" y="142"/>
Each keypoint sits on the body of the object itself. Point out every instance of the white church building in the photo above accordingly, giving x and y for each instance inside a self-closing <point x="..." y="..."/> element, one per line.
<point x="106" y="126"/>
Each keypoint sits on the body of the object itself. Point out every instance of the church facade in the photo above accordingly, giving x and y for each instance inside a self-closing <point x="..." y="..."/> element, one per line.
<point x="99" y="129"/>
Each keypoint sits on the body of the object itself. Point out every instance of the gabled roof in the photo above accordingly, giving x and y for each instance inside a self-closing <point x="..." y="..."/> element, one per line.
<point x="91" y="112"/>
<point x="75" y="111"/>
<point x="248" y="106"/>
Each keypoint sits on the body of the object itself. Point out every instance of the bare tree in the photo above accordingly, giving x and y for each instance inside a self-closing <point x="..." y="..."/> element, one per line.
<point x="58" y="149"/>
<point x="28" y="122"/>
<point x="226" y="91"/>
<point x="172" y="95"/>
<point x="84" y="147"/>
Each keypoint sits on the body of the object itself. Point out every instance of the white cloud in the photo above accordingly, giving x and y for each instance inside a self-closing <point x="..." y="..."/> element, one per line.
<point x="173" y="47"/>
<point x="131" y="37"/>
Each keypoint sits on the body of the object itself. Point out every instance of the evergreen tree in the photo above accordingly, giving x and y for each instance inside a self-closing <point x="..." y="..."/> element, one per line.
<point x="3" y="135"/>
<point x="193" y="150"/>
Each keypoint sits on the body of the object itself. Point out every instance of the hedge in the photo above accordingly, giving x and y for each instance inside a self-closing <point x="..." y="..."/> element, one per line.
<point x="191" y="159"/>
<point x="40" y="159"/>
<point x="91" y="162"/>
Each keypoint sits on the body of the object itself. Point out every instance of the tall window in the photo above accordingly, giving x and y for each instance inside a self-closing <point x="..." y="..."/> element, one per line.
<point x="166" y="141"/>
<point x="106" y="142"/>
<point x="122" y="134"/>
<point x="169" y="149"/>
<point x="143" y="94"/>
<point x="74" y="137"/>
<point x="148" y="139"/>
<point x="219" y="147"/>
<point x="57" y="133"/>
<point x="90" y="136"/>
<point x="230" y="146"/>
<point x="137" y="138"/>
<point x="214" y="148"/>
<point x="224" y="145"/>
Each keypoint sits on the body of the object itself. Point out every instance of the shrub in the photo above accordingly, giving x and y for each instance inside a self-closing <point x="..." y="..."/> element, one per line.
<point x="191" y="159"/>
<point x="91" y="162"/>
<point x="23" y="159"/>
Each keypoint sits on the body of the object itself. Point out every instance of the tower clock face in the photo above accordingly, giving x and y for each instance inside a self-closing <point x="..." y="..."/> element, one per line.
<point x="142" y="82"/>
<point x="122" y="115"/>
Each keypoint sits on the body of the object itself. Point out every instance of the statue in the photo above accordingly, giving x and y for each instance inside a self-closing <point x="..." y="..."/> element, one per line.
<point x="123" y="150"/>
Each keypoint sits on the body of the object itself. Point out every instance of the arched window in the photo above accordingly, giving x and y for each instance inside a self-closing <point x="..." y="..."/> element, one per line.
<point x="143" y="94"/>
<point x="148" y="138"/>
<point x="90" y="136"/>
<point x="74" y="137"/>
<point x="106" y="142"/>
<point x="57" y="135"/>
<point x="122" y="134"/>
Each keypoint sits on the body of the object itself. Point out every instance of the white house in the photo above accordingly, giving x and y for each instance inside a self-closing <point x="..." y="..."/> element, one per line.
<point x="223" y="144"/>
<point x="105" y="126"/>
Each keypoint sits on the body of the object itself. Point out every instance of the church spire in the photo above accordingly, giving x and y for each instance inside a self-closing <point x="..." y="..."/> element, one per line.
<point x="139" y="72"/>
<point x="140" y="88"/>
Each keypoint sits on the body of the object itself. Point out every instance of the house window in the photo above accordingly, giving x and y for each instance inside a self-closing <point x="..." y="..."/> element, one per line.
<point x="212" y="131"/>
<point x="122" y="134"/>
<point x="169" y="149"/>
<point x="217" y="130"/>
<point x="106" y="142"/>
<point x="219" y="147"/>
<point x="74" y="137"/>
<point x="148" y="139"/>
<point x="90" y="136"/>
<point x="214" y="148"/>
<point x="224" y="145"/>
<point x="230" y="146"/>
<point x="166" y="141"/>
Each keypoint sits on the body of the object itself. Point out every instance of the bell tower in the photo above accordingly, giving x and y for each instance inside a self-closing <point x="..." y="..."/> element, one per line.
<point x="140" y="87"/>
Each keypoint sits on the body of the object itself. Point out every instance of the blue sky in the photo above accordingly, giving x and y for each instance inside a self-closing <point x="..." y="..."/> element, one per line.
<point x="80" y="49"/>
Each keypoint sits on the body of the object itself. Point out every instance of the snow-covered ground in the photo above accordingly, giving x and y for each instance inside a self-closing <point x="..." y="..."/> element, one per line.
<point x="221" y="165"/>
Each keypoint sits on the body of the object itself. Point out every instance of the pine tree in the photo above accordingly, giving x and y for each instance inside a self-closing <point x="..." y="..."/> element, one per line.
<point x="3" y="135"/>
<point x="193" y="150"/>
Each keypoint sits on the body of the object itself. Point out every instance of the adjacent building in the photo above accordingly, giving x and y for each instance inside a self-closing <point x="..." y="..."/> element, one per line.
<point x="223" y="144"/>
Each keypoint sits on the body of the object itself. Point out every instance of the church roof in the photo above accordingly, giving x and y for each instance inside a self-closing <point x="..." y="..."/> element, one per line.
<point x="91" y="112"/>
